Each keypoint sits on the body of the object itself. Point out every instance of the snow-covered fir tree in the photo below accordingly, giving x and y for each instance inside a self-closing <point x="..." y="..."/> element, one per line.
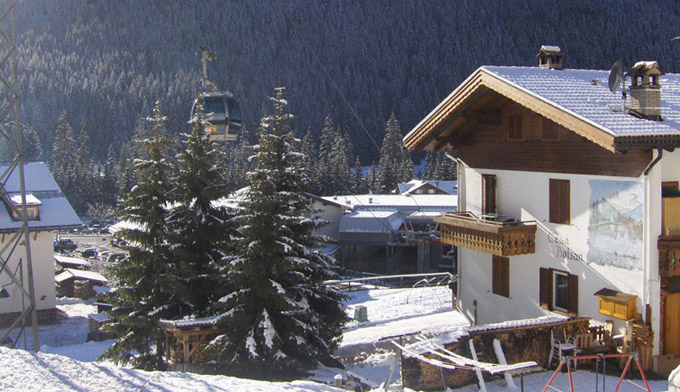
<point x="281" y="318"/>
<point x="148" y="286"/>
<point x="200" y="228"/>
<point x="395" y="163"/>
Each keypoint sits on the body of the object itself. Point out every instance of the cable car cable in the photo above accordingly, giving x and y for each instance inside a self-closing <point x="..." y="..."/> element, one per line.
<point x="323" y="67"/>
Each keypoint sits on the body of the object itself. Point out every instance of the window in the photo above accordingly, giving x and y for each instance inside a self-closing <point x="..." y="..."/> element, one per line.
<point x="489" y="194"/>
<point x="558" y="291"/>
<point x="669" y="188"/>
<point x="501" y="276"/>
<point x="515" y="127"/>
<point x="559" y="202"/>
<point x="551" y="131"/>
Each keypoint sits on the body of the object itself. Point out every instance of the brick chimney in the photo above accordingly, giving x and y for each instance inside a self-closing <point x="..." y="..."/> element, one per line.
<point x="550" y="56"/>
<point x="645" y="90"/>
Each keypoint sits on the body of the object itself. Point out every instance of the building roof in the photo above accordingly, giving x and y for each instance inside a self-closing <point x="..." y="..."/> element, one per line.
<point x="68" y="260"/>
<point x="55" y="211"/>
<point x="450" y="187"/>
<point x="394" y="202"/>
<point x="371" y="222"/>
<point x="579" y="100"/>
<point x="79" y="274"/>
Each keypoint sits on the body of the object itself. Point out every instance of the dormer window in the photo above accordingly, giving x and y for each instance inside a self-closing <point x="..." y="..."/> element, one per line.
<point x="32" y="207"/>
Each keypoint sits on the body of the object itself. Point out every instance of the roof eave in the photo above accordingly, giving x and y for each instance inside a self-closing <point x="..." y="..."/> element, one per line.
<point x="431" y="126"/>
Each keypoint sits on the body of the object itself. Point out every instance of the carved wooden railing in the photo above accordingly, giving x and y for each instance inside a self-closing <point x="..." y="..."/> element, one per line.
<point x="498" y="238"/>
<point x="669" y="256"/>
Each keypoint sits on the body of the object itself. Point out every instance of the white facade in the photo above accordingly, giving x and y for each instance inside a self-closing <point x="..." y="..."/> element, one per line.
<point x="42" y="257"/>
<point x="525" y="196"/>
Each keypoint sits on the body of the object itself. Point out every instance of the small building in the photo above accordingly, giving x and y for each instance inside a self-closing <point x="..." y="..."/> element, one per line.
<point x="48" y="211"/>
<point x="77" y="283"/>
<point x="187" y="340"/>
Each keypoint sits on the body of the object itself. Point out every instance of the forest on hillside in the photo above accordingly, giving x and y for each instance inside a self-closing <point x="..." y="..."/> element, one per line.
<point x="102" y="64"/>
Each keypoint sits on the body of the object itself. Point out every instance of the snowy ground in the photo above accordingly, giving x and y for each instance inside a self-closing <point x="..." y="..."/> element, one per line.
<point x="66" y="360"/>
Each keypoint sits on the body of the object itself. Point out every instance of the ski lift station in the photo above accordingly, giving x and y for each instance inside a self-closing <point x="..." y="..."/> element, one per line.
<point x="395" y="233"/>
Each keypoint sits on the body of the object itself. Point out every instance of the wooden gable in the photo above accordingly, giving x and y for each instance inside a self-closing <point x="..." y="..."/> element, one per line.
<point x="493" y="125"/>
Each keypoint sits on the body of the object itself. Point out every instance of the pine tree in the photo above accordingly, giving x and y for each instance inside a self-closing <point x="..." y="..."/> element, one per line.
<point x="280" y="317"/>
<point x="127" y="176"/>
<point x="200" y="228"/>
<point x="395" y="164"/>
<point x="358" y="180"/>
<point x="147" y="281"/>
<point x="63" y="158"/>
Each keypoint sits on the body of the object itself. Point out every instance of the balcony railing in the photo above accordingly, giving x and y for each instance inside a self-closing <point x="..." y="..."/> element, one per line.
<point x="669" y="256"/>
<point x="510" y="238"/>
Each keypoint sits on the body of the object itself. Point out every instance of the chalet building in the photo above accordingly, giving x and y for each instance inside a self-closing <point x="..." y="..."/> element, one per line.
<point x="428" y="187"/>
<point x="569" y="197"/>
<point x="48" y="211"/>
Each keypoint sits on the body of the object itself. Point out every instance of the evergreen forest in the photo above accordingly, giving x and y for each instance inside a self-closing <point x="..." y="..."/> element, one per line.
<point x="97" y="67"/>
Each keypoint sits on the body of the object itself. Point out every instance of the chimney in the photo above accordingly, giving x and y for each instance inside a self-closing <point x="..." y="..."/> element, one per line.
<point x="550" y="56"/>
<point x="645" y="90"/>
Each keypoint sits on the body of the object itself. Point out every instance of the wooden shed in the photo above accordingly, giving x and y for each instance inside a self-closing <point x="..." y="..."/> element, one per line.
<point x="187" y="340"/>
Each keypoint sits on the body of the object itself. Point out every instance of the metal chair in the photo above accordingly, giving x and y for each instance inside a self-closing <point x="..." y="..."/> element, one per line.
<point x="559" y="344"/>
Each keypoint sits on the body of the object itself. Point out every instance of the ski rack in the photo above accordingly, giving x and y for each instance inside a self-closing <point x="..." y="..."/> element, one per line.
<point x="631" y="357"/>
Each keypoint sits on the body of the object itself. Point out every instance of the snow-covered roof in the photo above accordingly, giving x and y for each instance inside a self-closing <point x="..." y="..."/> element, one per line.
<point x="61" y="259"/>
<point x="444" y="203"/>
<point x="55" y="210"/>
<point x="371" y="222"/>
<point x="585" y="94"/>
<point x="189" y="323"/>
<point x="450" y="187"/>
<point x="79" y="274"/>
<point x="31" y="200"/>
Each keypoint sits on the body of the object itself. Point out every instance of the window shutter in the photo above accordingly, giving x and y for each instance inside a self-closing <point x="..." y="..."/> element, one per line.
<point x="565" y="208"/>
<point x="501" y="276"/>
<point x="560" y="209"/>
<point x="573" y="294"/>
<point x="545" y="287"/>
<point x="488" y="194"/>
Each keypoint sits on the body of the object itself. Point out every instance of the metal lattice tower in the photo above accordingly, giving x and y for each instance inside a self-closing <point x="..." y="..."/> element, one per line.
<point x="20" y="241"/>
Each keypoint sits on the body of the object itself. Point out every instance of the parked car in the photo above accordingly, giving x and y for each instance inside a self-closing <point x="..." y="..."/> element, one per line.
<point x="89" y="253"/>
<point x="64" y="245"/>
<point x="114" y="257"/>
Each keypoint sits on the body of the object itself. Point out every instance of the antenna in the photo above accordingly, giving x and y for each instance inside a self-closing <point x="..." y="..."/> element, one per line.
<point x="616" y="76"/>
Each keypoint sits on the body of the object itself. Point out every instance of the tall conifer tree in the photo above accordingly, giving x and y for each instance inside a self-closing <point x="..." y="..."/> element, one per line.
<point x="280" y="317"/>
<point x="200" y="228"/>
<point x="148" y="288"/>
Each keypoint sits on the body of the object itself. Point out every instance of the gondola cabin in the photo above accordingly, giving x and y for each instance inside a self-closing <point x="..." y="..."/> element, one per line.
<point x="224" y="115"/>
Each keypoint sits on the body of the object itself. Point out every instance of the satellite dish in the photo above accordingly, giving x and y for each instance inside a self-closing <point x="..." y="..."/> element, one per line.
<point x="616" y="76"/>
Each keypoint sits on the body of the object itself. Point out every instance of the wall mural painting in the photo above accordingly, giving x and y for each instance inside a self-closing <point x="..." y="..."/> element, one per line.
<point x="615" y="229"/>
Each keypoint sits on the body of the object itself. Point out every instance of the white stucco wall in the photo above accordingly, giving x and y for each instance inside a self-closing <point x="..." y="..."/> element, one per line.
<point x="525" y="196"/>
<point x="42" y="256"/>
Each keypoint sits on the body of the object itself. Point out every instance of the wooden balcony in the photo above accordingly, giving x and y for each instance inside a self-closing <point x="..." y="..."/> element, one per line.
<point x="669" y="256"/>
<point x="465" y="230"/>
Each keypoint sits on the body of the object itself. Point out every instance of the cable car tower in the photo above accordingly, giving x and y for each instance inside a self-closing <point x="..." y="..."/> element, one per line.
<point x="19" y="242"/>
<point x="220" y="108"/>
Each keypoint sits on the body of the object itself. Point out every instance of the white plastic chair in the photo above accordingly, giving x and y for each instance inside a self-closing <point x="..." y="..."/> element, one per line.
<point x="559" y="344"/>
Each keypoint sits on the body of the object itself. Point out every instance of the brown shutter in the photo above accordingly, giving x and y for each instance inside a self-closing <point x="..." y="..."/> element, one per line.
<point x="573" y="294"/>
<point x="545" y="287"/>
<point x="560" y="205"/>
<point x="565" y="204"/>
<point x="488" y="194"/>
<point x="500" y="276"/>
